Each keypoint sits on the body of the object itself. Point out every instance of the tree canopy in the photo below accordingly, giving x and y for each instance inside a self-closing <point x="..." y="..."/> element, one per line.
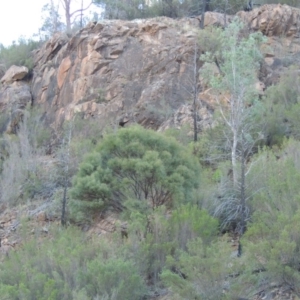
<point x="136" y="164"/>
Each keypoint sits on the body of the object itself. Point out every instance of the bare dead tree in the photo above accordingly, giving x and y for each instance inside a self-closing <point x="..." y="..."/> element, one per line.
<point x="69" y="14"/>
<point x="205" y="8"/>
<point x="192" y="86"/>
<point x="64" y="162"/>
<point x="195" y="90"/>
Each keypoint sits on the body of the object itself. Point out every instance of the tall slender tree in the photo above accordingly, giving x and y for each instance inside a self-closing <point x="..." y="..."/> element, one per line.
<point x="238" y="64"/>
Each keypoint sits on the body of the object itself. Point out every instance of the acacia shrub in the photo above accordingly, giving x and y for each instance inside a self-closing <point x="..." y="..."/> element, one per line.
<point x="138" y="164"/>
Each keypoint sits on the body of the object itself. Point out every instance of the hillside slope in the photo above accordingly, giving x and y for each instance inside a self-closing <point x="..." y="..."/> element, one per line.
<point x="119" y="73"/>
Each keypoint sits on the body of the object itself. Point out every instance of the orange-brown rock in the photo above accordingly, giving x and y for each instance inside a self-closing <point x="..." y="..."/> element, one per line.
<point x="141" y="70"/>
<point x="117" y="70"/>
<point x="274" y="20"/>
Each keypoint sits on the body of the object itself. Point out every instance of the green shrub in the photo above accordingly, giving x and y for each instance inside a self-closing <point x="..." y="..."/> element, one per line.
<point x="201" y="272"/>
<point x="189" y="222"/>
<point x="274" y="177"/>
<point x="154" y="235"/>
<point x="69" y="266"/>
<point x="19" y="53"/>
<point x="136" y="164"/>
<point x="272" y="241"/>
<point x="282" y="109"/>
<point x="273" y="247"/>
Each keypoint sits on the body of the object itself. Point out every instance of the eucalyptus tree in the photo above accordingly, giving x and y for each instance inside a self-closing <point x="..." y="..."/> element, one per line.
<point x="233" y="82"/>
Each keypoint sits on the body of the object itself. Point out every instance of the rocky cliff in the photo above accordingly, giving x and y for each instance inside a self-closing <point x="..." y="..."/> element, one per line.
<point x="138" y="71"/>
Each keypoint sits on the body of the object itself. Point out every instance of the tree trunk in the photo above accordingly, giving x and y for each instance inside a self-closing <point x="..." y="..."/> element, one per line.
<point x="68" y="21"/>
<point x="81" y="15"/>
<point x="67" y="7"/>
<point x="225" y="13"/>
<point x="243" y="182"/>
<point x="64" y="202"/>
<point x="195" y="93"/>
<point x="205" y="3"/>
<point x="234" y="159"/>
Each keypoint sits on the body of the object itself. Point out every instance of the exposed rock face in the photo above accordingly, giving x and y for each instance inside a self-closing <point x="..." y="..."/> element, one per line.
<point x="140" y="71"/>
<point x="274" y="20"/>
<point x="281" y="25"/>
<point x="135" y="70"/>
<point x="13" y="100"/>
<point x="14" y="73"/>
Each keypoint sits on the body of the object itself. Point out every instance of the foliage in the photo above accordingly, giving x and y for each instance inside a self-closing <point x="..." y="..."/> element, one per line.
<point x="276" y="176"/>
<point x="282" y="108"/>
<point x="244" y="53"/>
<point x="227" y="6"/>
<point x="275" y="249"/>
<point x="51" y="21"/>
<point x="201" y="271"/>
<point x="19" y="53"/>
<point x="272" y="241"/>
<point x="78" y="137"/>
<point x="189" y="222"/>
<point x="210" y="39"/>
<point x="69" y="266"/>
<point x="237" y="59"/>
<point x="24" y="172"/>
<point x="182" y="134"/>
<point x="161" y="111"/>
<point x="129" y="10"/>
<point x="156" y="234"/>
<point x="294" y="3"/>
<point x="137" y="164"/>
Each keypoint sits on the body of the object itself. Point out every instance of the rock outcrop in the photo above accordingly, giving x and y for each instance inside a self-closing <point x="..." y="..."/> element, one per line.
<point x="117" y="70"/>
<point x="281" y="25"/>
<point x="273" y="20"/>
<point x="140" y="71"/>
<point x="13" y="100"/>
<point x="14" y="73"/>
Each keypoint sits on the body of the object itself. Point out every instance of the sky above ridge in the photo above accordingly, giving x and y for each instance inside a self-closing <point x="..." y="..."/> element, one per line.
<point x="23" y="18"/>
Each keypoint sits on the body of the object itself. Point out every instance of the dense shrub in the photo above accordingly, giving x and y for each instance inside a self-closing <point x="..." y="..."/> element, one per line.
<point x="136" y="164"/>
<point x="69" y="266"/>
<point x="272" y="240"/>
<point x="282" y="104"/>
<point x="155" y="235"/>
<point x="200" y="272"/>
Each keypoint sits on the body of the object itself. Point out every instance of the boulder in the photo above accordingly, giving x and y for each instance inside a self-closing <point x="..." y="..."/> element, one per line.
<point x="273" y="20"/>
<point x="14" y="73"/>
